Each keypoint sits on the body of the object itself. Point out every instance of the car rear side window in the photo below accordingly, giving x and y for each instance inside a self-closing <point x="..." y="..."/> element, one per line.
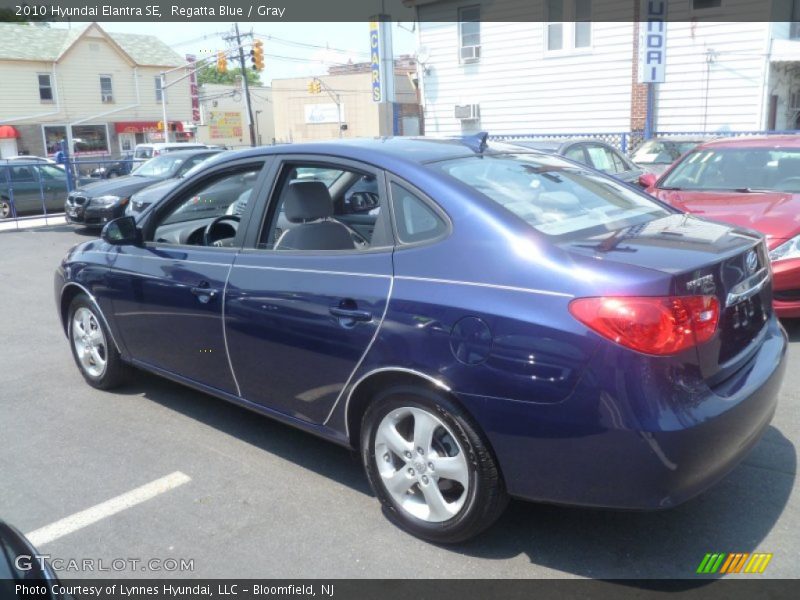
<point x="553" y="196"/>
<point x="415" y="220"/>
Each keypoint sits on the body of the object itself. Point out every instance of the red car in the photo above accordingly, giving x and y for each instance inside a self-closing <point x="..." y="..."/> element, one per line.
<point x="753" y="183"/>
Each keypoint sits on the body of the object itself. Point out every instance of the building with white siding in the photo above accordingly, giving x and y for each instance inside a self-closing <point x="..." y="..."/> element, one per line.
<point x="101" y="90"/>
<point x="575" y="70"/>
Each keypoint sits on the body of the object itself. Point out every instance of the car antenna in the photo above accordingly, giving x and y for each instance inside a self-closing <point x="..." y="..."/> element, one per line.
<point x="477" y="141"/>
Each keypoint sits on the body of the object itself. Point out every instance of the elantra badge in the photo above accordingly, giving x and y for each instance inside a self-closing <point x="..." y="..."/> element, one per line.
<point x="702" y="285"/>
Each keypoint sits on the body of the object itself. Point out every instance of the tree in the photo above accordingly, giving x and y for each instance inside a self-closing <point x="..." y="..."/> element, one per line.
<point x="209" y="74"/>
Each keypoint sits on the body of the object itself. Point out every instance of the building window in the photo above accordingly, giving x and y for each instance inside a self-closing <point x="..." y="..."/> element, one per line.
<point x="106" y="90"/>
<point x="469" y="33"/>
<point x="704" y="4"/>
<point x="794" y="26"/>
<point x="569" y="25"/>
<point x="45" y="88"/>
<point x="583" y="23"/>
<point x="159" y="91"/>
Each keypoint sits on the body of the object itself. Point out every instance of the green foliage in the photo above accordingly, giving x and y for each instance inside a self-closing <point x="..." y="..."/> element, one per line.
<point x="209" y="74"/>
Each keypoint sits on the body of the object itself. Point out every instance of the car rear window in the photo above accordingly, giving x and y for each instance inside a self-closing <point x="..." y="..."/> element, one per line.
<point x="554" y="196"/>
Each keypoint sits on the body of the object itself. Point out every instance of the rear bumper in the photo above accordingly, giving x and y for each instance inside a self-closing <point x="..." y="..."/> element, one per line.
<point x="786" y="288"/>
<point x="640" y="445"/>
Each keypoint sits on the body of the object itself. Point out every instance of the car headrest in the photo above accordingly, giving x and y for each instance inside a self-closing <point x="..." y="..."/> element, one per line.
<point x="307" y="201"/>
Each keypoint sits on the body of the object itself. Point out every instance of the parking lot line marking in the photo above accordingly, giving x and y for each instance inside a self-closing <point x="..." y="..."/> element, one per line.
<point x="81" y="519"/>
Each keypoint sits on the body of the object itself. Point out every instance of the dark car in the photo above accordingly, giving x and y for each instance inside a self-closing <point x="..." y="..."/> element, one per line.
<point x="97" y="203"/>
<point x="596" y="154"/>
<point x="117" y="168"/>
<point x="24" y="572"/>
<point x="31" y="187"/>
<point x="498" y="322"/>
<point x="656" y="155"/>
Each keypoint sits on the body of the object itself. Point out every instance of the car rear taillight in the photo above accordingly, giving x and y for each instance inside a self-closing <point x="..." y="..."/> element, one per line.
<point x="653" y="325"/>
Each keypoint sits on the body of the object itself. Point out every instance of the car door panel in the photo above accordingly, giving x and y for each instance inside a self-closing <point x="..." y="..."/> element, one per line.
<point x="167" y="304"/>
<point x="291" y="339"/>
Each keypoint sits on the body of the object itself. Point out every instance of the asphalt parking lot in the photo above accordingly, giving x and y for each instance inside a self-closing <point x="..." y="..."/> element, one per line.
<point x="259" y="499"/>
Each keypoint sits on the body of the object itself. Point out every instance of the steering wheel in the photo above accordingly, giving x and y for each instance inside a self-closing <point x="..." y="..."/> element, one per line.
<point x="208" y="240"/>
<point x="793" y="183"/>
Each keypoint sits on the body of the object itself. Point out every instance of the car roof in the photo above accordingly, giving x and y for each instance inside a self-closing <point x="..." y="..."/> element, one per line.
<point x="545" y="145"/>
<point x="759" y="141"/>
<point x="405" y="149"/>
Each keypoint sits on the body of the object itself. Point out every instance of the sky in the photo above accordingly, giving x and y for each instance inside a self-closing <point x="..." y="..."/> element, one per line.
<point x="297" y="50"/>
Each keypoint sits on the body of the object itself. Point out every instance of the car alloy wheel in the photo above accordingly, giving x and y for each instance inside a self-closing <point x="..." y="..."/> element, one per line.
<point x="89" y="342"/>
<point x="430" y="465"/>
<point x="5" y="208"/>
<point x="421" y="464"/>
<point x="92" y="346"/>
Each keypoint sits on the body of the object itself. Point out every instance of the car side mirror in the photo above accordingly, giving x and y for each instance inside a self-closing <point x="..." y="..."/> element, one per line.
<point x="122" y="231"/>
<point x="647" y="180"/>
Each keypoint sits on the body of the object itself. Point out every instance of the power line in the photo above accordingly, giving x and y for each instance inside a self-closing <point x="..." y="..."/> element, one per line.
<point x="273" y="38"/>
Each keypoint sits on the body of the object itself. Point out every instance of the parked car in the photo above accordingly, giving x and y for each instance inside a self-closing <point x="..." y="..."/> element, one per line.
<point x="594" y="153"/>
<point x="22" y="565"/>
<point x="23" y="158"/>
<point x="656" y="155"/>
<point x="752" y="182"/>
<point x="141" y="200"/>
<point x="95" y="204"/>
<point x="503" y="323"/>
<point x="147" y="151"/>
<point x="110" y="170"/>
<point x="32" y="187"/>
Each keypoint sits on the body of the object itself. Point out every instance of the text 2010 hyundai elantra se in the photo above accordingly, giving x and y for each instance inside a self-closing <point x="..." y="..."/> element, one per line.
<point x="480" y="322"/>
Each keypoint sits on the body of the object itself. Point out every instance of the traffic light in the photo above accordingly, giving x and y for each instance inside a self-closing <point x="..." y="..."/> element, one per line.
<point x="257" y="55"/>
<point x="222" y="62"/>
<point x="314" y="86"/>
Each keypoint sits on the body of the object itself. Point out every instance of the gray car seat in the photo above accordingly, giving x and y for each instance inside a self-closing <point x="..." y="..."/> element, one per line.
<point x="309" y="204"/>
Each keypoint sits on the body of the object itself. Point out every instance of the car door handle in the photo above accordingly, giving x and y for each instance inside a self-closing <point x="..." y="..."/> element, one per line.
<point x="346" y="313"/>
<point x="204" y="293"/>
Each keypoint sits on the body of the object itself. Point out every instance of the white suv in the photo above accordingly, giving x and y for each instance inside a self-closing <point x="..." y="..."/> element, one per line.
<point x="146" y="151"/>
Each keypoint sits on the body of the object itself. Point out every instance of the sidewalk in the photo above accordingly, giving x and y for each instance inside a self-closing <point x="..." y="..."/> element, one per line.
<point x="27" y="223"/>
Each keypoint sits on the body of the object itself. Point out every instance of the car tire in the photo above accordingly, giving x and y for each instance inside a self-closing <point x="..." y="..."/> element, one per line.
<point x="92" y="348"/>
<point x="5" y="208"/>
<point x="437" y="479"/>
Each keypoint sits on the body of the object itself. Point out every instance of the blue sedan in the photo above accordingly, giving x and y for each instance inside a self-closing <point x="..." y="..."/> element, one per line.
<point x="478" y="321"/>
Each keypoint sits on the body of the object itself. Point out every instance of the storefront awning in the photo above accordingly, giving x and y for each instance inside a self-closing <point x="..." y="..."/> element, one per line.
<point x="8" y="132"/>
<point x="144" y="126"/>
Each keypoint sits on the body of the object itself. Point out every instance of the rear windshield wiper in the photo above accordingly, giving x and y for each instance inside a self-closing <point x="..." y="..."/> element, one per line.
<point x="747" y="190"/>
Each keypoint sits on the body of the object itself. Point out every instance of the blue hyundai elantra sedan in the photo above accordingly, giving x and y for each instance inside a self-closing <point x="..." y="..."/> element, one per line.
<point x="480" y="322"/>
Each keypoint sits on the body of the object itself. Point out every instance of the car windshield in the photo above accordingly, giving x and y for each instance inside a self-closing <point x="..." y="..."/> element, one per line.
<point x="745" y="169"/>
<point x="554" y="196"/>
<point x="160" y="166"/>
<point x="655" y="151"/>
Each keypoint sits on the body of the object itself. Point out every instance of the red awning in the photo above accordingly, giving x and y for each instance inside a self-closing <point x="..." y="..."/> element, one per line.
<point x="7" y="132"/>
<point x="144" y="126"/>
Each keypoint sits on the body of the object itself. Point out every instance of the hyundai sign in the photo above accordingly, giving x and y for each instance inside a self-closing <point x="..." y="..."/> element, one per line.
<point x="653" y="41"/>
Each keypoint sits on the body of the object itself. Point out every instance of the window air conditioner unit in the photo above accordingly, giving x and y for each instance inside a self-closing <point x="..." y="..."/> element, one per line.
<point x="467" y="112"/>
<point x="470" y="54"/>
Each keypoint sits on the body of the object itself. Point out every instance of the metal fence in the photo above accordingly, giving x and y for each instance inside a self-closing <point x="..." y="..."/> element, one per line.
<point x="628" y="141"/>
<point x="33" y="191"/>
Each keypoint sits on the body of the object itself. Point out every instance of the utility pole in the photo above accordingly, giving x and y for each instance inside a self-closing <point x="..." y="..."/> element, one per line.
<point x="164" y="105"/>
<point x="246" y="85"/>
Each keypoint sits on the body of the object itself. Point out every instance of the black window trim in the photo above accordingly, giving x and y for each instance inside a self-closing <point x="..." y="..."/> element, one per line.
<point x="266" y="207"/>
<point x="199" y="180"/>
<point x="428" y="201"/>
